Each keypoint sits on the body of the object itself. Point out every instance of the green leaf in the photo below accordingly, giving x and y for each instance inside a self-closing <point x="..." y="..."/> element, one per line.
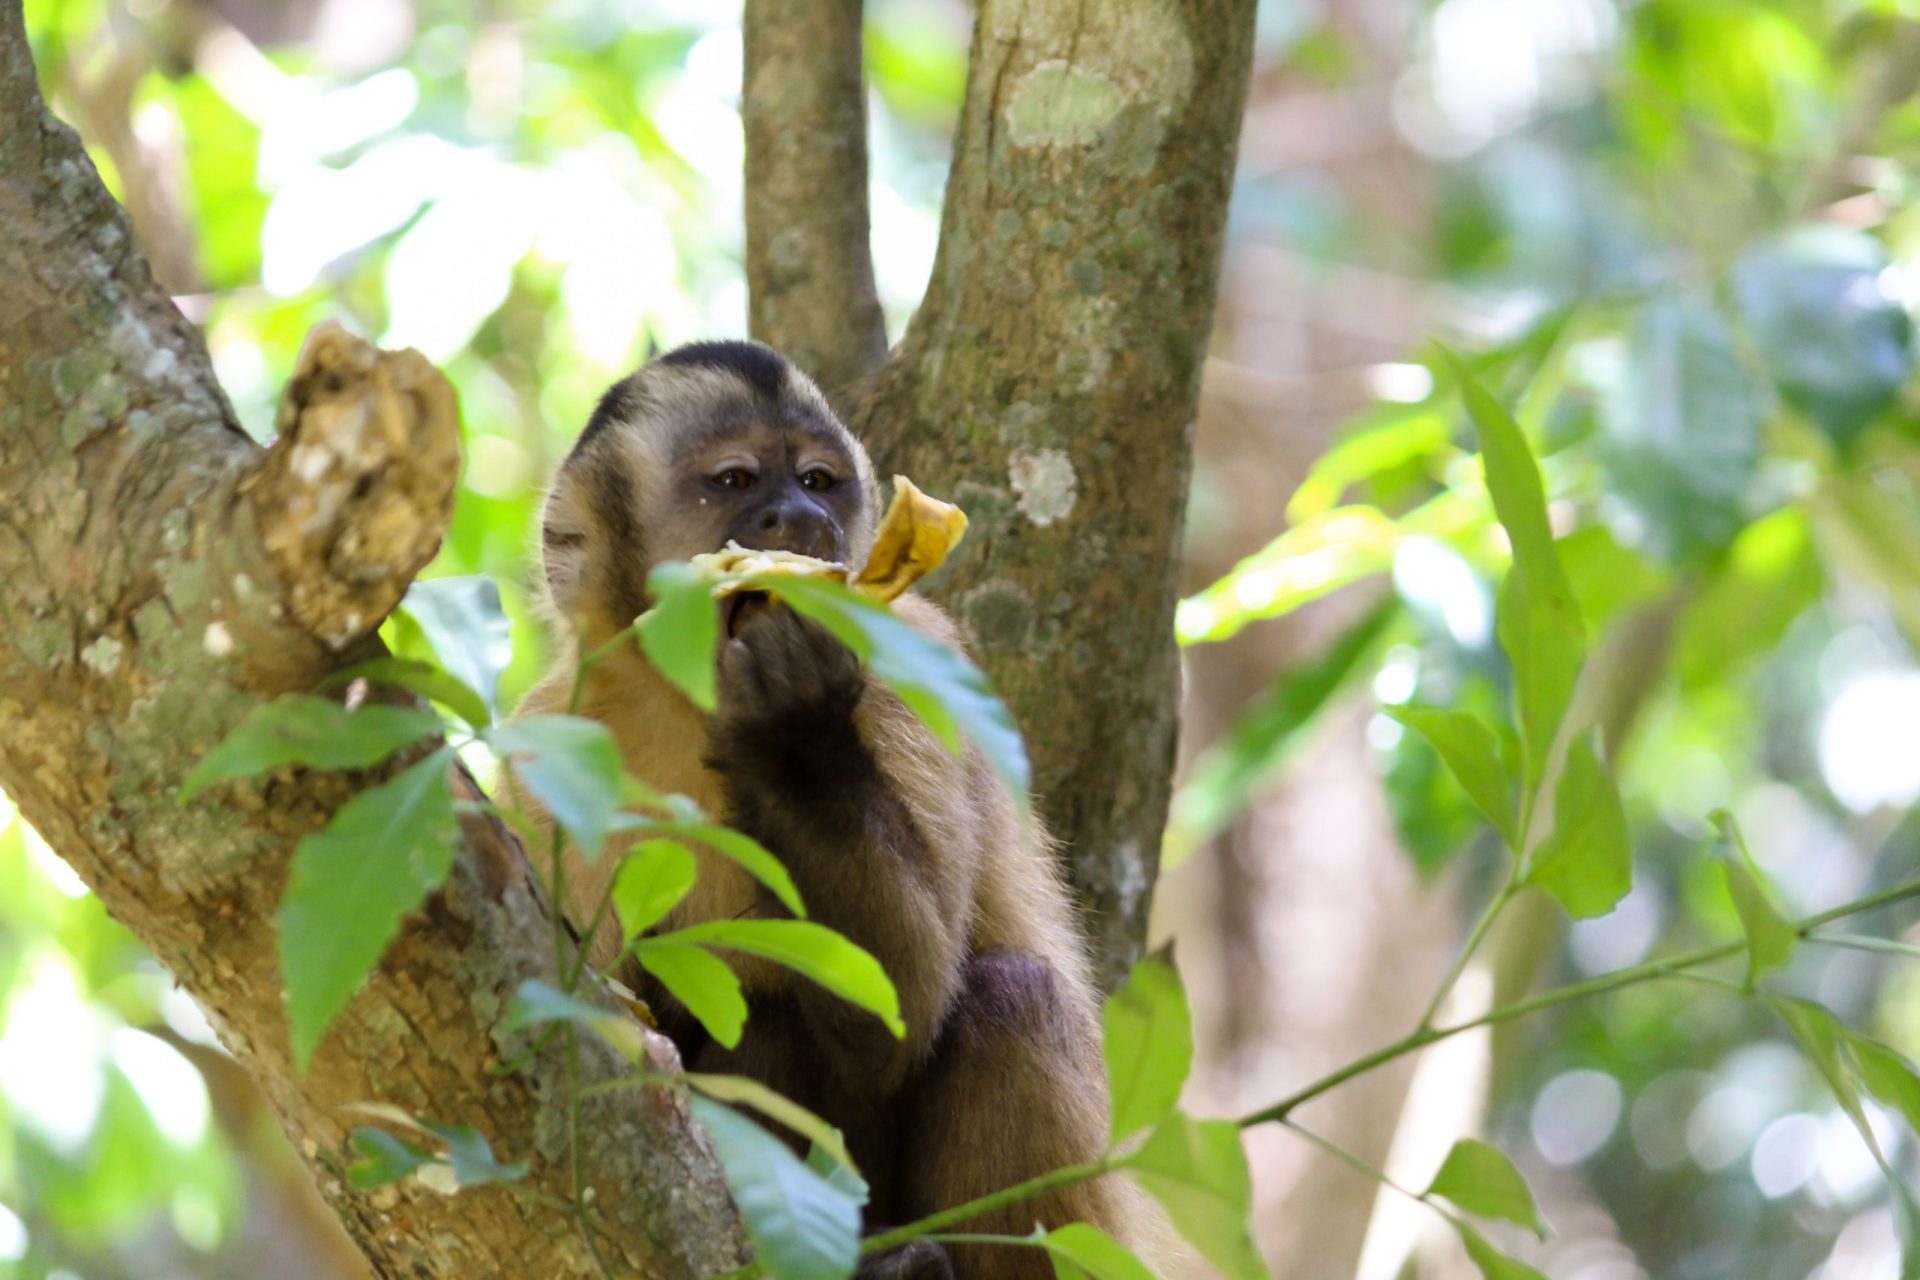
<point x="1587" y="862"/>
<point x="473" y="1161"/>
<point x="801" y="1225"/>
<point x="384" y="1160"/>
<point x="809" y="949"/>
<point x="350" y="884"/>
<point x="1770" y="937"/>
<point x="1888" y="1075"/>
<point x="1092" y="1252"/>
<point x="1310" y="560"/>
<point x="227" y="201"/>
<point x="1540" y="623"/>
<point x="1480" y="1179"/>
<point x="947" y="692"/>
<point x="682" y="630"/>
<point x="652" y="879"/>
<point x="842" y="1177"/>
<point x="1768" y="579"/>
<point x="782" y="1110"/>
<point x="701" y="981"/>
<point x="1907" y="1219"/>
<point x="1226" y="773"/>
<point x="1839" y="1054"/>
<point x="535" y="1003"/>
<point x="422" y="678"/>
<point x="300" y="728"/>
<point x="572" y="766"/>
<point x="1148" y="1045"/>
<point x="1198" y="1172"/>
<point x="1870" y="525"/>
<point x="1836" y="345"/>
<point x="1390" y="438"/>
<point x="1684" y="424"/>
<point x="463" y="621"/>
<point x="1432" y="813"/>
<point x="1493" y="1264"/>
<point x="1607" y="577"/>
<point x="743" y="849"/>
<point x="1825" y="1040"/>
<point x="1472" y="755"/>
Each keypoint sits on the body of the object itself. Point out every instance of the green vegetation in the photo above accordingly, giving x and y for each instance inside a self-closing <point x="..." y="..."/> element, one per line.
<point x="1636" y="558"/>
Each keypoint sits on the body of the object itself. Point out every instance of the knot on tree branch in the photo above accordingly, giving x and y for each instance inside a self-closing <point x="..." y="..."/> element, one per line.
<point x="353" y="497"/>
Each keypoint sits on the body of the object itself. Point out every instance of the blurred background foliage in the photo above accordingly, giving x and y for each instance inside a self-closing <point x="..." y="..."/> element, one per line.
<point x="1681" y="237"/>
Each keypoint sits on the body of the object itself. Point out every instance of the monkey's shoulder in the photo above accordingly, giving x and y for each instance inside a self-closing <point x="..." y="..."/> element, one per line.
<point x="928" y="618"/>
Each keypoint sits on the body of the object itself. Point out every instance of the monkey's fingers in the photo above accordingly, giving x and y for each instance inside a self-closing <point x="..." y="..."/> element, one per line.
<point x="915" y="538"/>
<point x="783" y="664"/>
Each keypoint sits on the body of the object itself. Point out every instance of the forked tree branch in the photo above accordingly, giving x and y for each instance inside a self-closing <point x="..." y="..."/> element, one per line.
<point x="160" y="576"/>
<point x="809" y="265"/>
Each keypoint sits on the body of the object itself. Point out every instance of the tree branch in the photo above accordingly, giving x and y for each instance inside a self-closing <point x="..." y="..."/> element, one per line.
<point x="161" y="575"/>
<point x="809" y="265"/>
<point x="1049" y="384"/>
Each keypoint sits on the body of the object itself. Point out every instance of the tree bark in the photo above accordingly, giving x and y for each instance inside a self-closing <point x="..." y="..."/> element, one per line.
<point x="809" y="262"/>
<point x="161" y="575"/>
<point x="1048" y="384"/>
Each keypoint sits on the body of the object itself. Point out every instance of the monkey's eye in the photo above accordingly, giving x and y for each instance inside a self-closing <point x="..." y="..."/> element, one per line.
<point x="735" y="478"/>
<point x="819" y="479"/>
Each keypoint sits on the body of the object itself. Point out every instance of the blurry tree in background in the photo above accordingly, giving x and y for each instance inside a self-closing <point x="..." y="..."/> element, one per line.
<point x="1682" y="234"/>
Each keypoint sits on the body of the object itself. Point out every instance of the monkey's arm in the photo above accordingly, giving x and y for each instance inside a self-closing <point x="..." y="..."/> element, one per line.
<point x="888" y="863"/>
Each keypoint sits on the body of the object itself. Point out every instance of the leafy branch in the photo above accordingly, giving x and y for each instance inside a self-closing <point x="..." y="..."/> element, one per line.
<point x="1650" y="971"/>
<point x="1539" y="779"/>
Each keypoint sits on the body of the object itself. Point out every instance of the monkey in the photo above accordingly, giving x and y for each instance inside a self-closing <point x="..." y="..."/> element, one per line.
<point x="918" y="854"/>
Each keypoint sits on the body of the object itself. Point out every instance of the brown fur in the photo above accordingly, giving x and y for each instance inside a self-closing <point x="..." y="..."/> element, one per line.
<point x="916" y="853"/>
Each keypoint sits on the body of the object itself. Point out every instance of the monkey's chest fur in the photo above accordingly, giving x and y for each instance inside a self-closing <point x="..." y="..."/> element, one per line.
<point x="663" y="741"/>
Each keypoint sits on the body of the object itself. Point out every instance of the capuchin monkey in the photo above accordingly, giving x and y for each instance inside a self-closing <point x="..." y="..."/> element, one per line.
<point x="915" y="853"/>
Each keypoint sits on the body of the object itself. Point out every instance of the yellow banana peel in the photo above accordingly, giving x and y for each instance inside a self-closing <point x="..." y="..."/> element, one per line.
<point x="916" y="536"/>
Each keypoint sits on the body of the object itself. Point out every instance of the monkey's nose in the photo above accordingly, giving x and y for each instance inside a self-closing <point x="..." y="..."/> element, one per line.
<point x="795" y="526"/>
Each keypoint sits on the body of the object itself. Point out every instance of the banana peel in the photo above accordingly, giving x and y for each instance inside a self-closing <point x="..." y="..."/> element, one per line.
<point x="916" y="536"/>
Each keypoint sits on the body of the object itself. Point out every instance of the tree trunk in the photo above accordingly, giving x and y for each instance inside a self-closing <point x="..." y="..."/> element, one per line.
<point x="161" y="575"/>
<point x="1048" y="385"/>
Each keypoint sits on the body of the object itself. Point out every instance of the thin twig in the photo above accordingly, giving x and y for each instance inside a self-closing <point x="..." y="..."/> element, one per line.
<point x="1049" y="1181"/>
<point x="1860" y="942"/>
<point x="1475" y="937"/>
<point x="1355" y="1163"/>
<point x="1565" y="995"/>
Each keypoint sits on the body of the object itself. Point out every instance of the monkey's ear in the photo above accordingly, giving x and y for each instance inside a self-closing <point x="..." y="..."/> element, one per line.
<point x="563" y="548"/>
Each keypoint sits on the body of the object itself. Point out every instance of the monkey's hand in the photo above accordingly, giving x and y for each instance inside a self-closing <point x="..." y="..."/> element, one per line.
<point x="785" y="670"/>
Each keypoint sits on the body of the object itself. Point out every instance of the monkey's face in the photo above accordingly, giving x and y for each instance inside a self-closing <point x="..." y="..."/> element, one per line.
<point x="713" y="443"/>
<point x="769" y="486"/>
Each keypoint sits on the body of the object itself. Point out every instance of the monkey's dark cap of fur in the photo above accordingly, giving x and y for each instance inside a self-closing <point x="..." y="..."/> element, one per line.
<point x="757" y="365"/>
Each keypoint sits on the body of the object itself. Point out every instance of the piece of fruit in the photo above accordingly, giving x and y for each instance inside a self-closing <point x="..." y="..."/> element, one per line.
<point x="916" y="536"/>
